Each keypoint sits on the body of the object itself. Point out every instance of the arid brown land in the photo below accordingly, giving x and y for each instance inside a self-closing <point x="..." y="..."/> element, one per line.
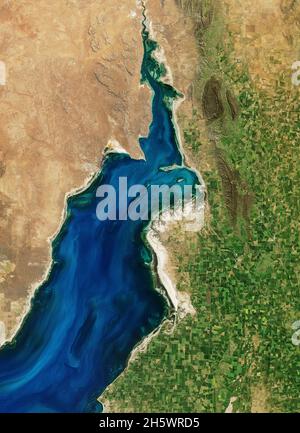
<point x="72" y="85"/>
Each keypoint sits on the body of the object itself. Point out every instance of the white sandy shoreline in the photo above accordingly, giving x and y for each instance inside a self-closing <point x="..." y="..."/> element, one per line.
<point x="153" y="239"/>
<point x="161" y="268"/>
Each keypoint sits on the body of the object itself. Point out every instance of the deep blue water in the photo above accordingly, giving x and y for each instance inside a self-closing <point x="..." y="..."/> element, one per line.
<point x="99" y="300"/>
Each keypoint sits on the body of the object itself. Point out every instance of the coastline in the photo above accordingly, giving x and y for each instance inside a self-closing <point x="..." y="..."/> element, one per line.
<point x="113" y="146"/>
<point x="34" y="287"/>
<point x="177" y="299"/>
<point x="139" y="348"/>
<point x="161" y="267"/>
<point x="160" y="56"/>
<point x="161" y="254"/>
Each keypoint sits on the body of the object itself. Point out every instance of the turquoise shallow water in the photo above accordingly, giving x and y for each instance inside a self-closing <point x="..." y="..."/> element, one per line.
<point x="99" y="300"/>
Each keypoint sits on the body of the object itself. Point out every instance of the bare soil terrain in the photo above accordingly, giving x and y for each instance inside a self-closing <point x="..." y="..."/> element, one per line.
<point x="72" y="84"/>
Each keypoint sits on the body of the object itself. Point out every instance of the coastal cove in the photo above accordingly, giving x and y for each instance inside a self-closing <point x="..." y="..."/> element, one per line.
<point x="100" y="299"/>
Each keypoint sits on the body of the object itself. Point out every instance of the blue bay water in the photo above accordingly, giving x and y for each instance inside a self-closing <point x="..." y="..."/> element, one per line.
<point x="99" y="300"/>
